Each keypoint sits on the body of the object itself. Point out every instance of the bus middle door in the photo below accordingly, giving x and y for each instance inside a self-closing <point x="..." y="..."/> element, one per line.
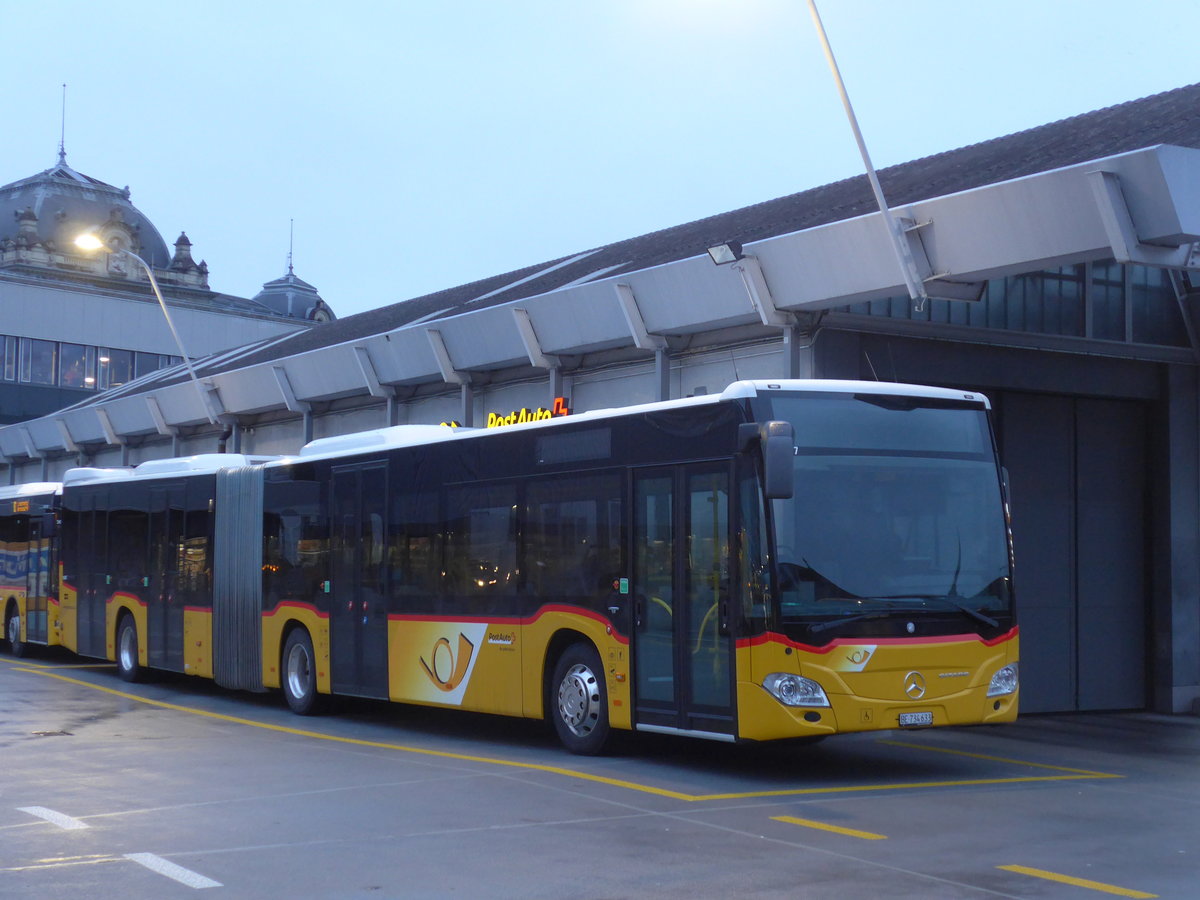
<point x="38" y="577"/>
<point x="358" y="625"/>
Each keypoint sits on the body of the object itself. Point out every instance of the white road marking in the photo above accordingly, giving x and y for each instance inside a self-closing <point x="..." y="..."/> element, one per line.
<point x="178" y="873"/>
<point x="67" y="823"/>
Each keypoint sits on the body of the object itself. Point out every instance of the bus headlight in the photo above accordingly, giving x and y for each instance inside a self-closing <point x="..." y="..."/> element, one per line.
<point x="795" y="690"/>
<point x="1004" y="681"/>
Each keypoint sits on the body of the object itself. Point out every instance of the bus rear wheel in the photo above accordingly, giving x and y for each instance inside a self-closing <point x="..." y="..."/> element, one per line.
<point x="12" y="632"/>
<point x="299" y="671"/>
<point x="579" y="701"/>
<point x="128" y="666"/>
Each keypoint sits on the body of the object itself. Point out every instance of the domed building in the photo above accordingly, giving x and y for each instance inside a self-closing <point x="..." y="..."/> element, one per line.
<point x="74" y="321"/>
<point x="293" y="297"/>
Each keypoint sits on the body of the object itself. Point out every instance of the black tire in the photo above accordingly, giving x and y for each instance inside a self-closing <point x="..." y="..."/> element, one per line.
<point x="128" y="666"/>
<point x="579" y="701"/>
<point x="12" y="633"/>
<point x="298" y="674"/>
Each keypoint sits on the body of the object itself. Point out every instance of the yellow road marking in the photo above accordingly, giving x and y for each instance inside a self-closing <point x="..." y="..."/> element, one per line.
<point x="358" y="742"/>
<point x="62" y="863"/>
<point x="1015" y="762"/>
<point x="911" y="785"/>
<point x="1078" y="882"/>
<point x="558" y="770"/>
<point x="850" y="832"/>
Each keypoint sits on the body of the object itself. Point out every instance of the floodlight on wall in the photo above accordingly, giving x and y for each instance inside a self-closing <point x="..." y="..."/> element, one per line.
<point x="723" y="254"/>
<point x="90" y="242"/>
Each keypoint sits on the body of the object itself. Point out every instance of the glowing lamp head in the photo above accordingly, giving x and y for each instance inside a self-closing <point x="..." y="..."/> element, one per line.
<point x="89" y="241"/>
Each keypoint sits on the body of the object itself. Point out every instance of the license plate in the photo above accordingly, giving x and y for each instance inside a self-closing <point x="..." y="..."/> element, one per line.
<point x="915" y="719"/>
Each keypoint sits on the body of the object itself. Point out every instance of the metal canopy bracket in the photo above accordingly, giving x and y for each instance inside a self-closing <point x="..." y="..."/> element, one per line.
<point x="31" y="449"/>
<point x="68" y="442"/>
<point x="216" y="407"/>
<point x="1122" y="230"/>
<point x="760" y="295"/>
<point x="106" y="425"/>
<point x="156" y="413"/>
<point x="290" y="400"/>
<point x="449" y="374"/>
<point x="642" y="339"/>
<point x="529" y="338"/>
<point x="371" y="377"/>
<point x="938" y="285"/>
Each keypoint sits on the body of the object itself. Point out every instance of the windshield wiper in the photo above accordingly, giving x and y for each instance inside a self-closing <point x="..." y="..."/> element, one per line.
<point x="955" y="599"/>
<point x="950" y="600"/>
<point x="969" y="610"/>
<point x="834" y="623"/>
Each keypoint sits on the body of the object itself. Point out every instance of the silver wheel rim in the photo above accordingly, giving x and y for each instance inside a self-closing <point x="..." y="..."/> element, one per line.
<point x="299" y="671"/>
<point x="579" y="700"/>
<point x="128" y="649"/>
<point x="14" y="630"/>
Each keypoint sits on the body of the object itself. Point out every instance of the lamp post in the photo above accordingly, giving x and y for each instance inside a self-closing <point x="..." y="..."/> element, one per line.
<point x="908" y="266"/>
<point x="90" y="242"/>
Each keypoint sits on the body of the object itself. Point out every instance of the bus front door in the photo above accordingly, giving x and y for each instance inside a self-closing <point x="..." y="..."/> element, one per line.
<point x="358" y="625"/>
<point x="683" y="652"/>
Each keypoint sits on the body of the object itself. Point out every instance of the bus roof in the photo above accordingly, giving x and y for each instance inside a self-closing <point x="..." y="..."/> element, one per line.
<point x="33" y="488"/>
<point x="413" y="435"/>
<point x="199" y="464"/>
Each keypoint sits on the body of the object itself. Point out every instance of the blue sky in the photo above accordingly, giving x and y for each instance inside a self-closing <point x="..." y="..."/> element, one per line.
<point x="423" y="145"/>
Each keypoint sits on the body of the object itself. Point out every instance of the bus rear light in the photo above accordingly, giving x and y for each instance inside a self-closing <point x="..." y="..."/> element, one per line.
<point x="795" y="690"/>
<point x="1004" y="682"/>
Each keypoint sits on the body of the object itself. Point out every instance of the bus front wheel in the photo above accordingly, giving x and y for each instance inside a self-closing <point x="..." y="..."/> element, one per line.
<point x="128" y="666"/>
<point x="579" y="701"/>
<point x="12" y="631"/>
<point x="299" y="671"/>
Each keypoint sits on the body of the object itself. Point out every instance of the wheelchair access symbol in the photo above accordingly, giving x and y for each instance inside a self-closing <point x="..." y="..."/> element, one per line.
<point x="449" y="668"/>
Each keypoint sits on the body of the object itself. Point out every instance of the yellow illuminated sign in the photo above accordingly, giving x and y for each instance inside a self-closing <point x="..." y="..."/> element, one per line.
<point x="20" y="506"/>
<point x="523" y="415"/>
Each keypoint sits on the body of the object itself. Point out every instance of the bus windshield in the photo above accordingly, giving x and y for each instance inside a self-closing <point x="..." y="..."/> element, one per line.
<point x="897" y="509"/>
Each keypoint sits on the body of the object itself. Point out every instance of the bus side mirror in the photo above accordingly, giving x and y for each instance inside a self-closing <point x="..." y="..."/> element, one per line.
<point x="777" y="441"/>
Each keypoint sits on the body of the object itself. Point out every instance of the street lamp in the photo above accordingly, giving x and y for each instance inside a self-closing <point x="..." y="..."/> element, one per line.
<point x="90" y="242"/>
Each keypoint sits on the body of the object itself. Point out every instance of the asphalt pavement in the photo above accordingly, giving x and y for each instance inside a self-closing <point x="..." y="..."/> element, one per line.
<point x="163" y="789"/>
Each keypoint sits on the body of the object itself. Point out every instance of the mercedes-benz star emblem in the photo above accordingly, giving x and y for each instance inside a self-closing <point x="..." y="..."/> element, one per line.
<point x="914" y="685"/>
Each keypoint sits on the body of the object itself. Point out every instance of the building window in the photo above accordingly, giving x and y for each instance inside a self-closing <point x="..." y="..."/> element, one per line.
<point x="1104" y="300"/>
<point x="145" y="363"/>
<point x="10" y="358"/>
<point x="1157" y="318"/>
<point x="116" y="367"/>
<point x="77" y="366"/>
<point x="1106" y="294"/>
<point x="39" y="361"/>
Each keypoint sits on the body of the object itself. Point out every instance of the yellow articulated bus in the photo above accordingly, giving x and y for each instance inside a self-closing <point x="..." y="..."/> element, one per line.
<point x="28" y="567"/>
<point x="786" y="559"/>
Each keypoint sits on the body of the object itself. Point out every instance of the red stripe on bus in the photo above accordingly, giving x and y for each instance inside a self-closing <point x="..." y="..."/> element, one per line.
<point x="516" y="620"/>
<point x="296" y="604"/>
<point x="123" y="595"/>
<point x="771" y="637"/>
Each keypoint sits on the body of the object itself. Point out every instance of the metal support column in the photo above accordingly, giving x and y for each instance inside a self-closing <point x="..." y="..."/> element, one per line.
<point x="662" y="372"/>
<point x="468" y="405"/>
